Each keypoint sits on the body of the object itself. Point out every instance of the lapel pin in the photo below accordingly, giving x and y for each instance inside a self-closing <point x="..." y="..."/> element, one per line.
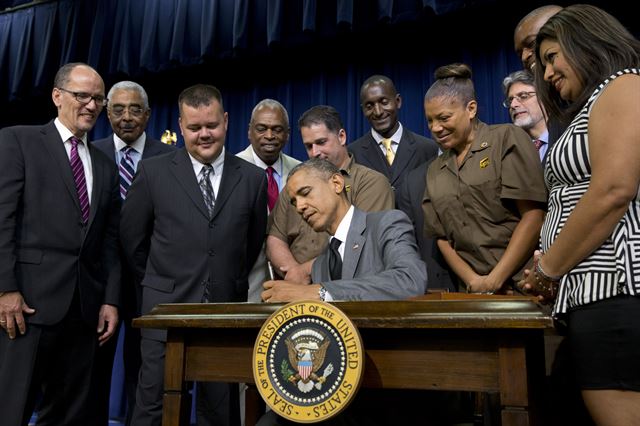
<point x="484" y="144"/>
<point x="356" y="247"/>
<point x="484" y="162"/>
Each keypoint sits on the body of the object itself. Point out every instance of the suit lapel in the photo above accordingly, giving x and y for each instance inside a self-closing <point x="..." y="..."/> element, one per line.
<point x="373" y="156"/>
<point x="231" y="176"/>
<point x="55" y="147"/>
<point x="354" y="244"/>
<point x="403" y="157"/>
<point x="183" y="171"/>
<point x="150" y="148"/>
<point x="99" y="181"/>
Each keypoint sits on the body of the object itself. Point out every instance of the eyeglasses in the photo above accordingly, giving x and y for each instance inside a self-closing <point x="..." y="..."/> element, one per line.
<point x="85" y="98"/>
<point x="134" y="110"/>
<point x="521" y="97"/>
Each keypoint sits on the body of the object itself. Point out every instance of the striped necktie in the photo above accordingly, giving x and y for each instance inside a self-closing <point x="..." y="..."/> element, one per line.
<point x="127" y="170"/>
<point x="78" y="176"/>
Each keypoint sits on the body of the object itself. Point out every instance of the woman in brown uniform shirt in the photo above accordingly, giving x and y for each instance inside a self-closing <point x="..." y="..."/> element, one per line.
<point x="485" y="196"/>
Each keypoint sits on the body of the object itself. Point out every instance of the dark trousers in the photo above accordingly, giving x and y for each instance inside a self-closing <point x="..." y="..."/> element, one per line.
<point x="217" y="403"/>
<point x="103" y="368"/>
<point x="52" y="361"/>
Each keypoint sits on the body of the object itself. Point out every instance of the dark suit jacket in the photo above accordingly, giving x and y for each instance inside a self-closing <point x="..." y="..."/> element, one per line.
<point x="381" y="261"/>
<point x="409" y="200"/>
<point x="175" y="248"/>
<point x="413" y="150"/>
<point x="45" y="251"/>
<point x="130" y="288"/>
<point x="556" y="129"/>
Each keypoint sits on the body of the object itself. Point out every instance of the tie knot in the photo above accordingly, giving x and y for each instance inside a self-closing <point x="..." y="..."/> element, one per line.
<point x="335" y="243"/>
<point x="270" y="171"/>
<point x="207" y="169"/>
<point x="538" y="144"/>
<point x="387" y="143"/>
<point x="75" y="141"/>
<point x="127" y="150"/>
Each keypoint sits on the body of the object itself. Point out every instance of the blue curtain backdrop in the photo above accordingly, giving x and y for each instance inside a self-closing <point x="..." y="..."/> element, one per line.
<point x="300" y="52"/>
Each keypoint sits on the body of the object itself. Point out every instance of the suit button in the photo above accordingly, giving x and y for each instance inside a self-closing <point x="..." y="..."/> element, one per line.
<point x="212" y="253"/>
<point x="211" y="224"/>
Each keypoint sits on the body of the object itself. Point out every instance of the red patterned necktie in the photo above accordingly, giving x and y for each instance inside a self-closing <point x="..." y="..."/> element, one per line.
<point x="538" y="143"/>
<point x="272" y="188"/>
<point x="78" y="176"/>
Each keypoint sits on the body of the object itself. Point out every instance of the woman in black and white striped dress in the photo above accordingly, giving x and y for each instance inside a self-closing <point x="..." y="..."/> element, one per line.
<point x="588" y="73"/>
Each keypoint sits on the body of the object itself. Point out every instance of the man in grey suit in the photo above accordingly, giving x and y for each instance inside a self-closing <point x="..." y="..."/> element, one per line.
<point x="193" y="224"/>
<point x="389" y="148"/>
<point x="128" y="111"/>
<point x="376" y="257"/>
<point x="268" y="133"/>
<point x="59" y="264"/>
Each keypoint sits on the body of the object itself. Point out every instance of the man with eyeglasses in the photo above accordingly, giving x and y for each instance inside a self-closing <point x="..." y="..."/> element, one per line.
<point x="59" y="264"/>
<point x="128" y="112"/>
<point x="525" y="110"/>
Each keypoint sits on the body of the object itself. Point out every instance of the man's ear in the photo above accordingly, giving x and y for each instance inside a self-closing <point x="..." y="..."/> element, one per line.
<point x="337" y="180"/>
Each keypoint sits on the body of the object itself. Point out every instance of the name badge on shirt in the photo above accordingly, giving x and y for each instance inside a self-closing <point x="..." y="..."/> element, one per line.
<point x="484" y="162"/>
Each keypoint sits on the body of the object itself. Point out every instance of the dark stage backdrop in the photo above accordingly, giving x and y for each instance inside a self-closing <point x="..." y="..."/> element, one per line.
<point x="300" y="52"/>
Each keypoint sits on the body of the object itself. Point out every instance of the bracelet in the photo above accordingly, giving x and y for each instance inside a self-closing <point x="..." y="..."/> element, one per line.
<point x="544" y="275"/>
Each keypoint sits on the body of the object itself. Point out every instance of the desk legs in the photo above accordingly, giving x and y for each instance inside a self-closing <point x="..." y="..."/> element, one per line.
<point x="177" y="399"/>
<point x="519" y="364"/>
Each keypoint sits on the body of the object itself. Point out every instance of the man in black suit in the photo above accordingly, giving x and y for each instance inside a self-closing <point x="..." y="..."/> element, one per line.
<point x="59" y="264"/>
<point x="389" y="148"/>
<point x="409" y="199"/>
<point x="128" y="111"/>
<point x="193" y="224"/>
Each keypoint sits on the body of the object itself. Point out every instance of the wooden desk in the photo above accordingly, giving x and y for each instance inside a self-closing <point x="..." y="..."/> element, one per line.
<point x="476" y="344"/>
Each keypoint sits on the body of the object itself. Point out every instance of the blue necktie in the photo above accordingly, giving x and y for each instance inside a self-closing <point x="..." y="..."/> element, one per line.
<point x="127" y="171"/>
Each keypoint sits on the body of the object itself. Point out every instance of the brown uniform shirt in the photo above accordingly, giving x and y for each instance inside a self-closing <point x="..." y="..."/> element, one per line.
<point x="366" y="189"/>
<point x="471" y="206"/>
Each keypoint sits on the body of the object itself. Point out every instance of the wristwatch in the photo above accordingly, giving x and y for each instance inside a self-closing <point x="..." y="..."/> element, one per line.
<point x="322" y="293"/>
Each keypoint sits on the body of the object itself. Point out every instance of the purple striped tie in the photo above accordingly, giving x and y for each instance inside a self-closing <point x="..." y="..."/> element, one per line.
<point x="78" y="176"/>
<point x="127" y="170"/>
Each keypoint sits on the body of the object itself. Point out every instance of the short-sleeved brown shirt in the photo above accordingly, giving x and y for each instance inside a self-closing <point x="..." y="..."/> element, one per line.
<point x="470" y="206"/>
<point x="366" y="189"/>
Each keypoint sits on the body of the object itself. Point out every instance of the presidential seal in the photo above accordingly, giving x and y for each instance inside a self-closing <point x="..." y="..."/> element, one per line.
<point x="308" y="361"/>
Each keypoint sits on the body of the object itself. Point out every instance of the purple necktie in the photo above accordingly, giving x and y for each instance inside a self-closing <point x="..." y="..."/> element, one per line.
<point x="78" y="176"/>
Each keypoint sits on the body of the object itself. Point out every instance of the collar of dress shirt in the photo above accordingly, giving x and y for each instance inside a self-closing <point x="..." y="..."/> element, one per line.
<point x="138" y="144"/>
<point x="343" y="230"/>
<point x="395" y="138"/>
<point x="65" y="133"/>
